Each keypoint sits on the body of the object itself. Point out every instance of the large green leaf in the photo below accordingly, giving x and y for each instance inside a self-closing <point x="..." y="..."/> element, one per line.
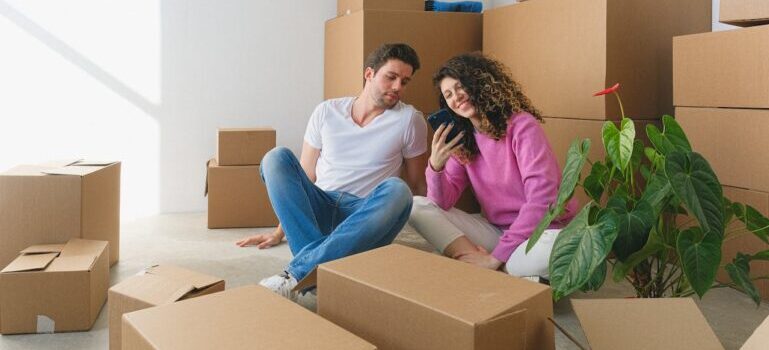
<point x="695" y="183"/>
<point x="575" y="160"/>
<point x="754" y="221"/>
<point x="672" y="139"/>
<point x="739" y="272"/>
<point x="595" y="183"/>
<point x="579" y="249"/>
<point x="638" y="153"/>
<point x="619" y="142"/>
<point x="653" y="246"/>
<point x="657" y="190"/>
<point x="700" y="254"/>
<point x="634" y="226"/>
<point x="764" y="255"/>
<point x="596" y="280"/>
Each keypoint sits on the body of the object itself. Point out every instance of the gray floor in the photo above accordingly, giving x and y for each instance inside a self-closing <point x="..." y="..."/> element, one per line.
<point x="183" y="239"/>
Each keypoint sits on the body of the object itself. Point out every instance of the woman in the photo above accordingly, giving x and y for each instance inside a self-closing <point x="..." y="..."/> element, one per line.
<point x="503" y="154"/>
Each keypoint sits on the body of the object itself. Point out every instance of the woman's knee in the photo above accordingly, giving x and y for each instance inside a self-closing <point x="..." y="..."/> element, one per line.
<point x="422" y="205"/>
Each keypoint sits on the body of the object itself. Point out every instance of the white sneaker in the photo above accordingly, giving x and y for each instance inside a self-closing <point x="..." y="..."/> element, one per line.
<point x="282" y="284"/>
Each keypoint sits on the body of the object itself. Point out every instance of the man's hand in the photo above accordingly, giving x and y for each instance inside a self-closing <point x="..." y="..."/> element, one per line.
<point x="262" y="241"/>
<point x="481" y="258"/>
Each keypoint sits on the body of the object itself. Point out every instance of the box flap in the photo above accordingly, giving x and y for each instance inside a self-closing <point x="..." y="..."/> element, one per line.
<point x="31" y="262"/>
<point x="83" y="247"/>
<point x="43" y="248"/>
<point x="163" y="284"/>
<point x="209" y="164"/>
<point x="567" y="334"/>
<point x="26" y="170"/>
<point x="506" y="331"/>
<point x="71" y="263"/>
<point x="759" y="340"/>
<point x="60" y="163"/>
<point x="76" y="170"/>
<point x="94" y="162"/>
<point x="463" y="291"/>
<point x="195" y="279"/>
<point x="249" y="317"/>
<point x="309" y="281"/>
<point x="675" y="323"/>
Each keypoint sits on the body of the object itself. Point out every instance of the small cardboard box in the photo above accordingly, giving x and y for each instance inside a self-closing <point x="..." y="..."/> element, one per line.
<point x="722" y="69"/>
<point x="54" y="288"/>
<point x="346" y="7"/>
<point x="636" y="324"/>
<point x="249" y="317"/>
<point x="744" y="13"/>
<point x="243" y="146"/>
<point x="561" y="52"/>
<point x="156" y="285"/>
<point x="237" y="197"/>
<point x="401" y="298"/>
<point x="734" y="141"/>
<point x="54" y="202"/>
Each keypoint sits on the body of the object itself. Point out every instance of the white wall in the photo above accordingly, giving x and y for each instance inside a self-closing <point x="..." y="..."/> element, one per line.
<point x="148" y="82"/>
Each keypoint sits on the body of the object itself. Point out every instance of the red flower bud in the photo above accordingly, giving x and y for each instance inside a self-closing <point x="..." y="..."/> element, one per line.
<point x="608" y="91"/>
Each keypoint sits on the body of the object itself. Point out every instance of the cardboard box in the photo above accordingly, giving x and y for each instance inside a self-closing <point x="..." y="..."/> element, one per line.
<point x="562" y="52"/>
<point x="734" y="142"/>
<point x="54" y="288"/>
<point x="237" y="197"/>
<point x="346" y="7"/>
<point x="746" y="242"/>
<point x="243" y="146"/>
<point x="635" y="324"/>
<point x="759" y="338"/>
<point x="249" y="317"/>
<point x="722" y="69"/>
<point x="156" y="285"/>
<point x="562" y="132"/>
<point x="744" y="13"/>
<point x="51" y="203"/>
<point x="401" y="298"/>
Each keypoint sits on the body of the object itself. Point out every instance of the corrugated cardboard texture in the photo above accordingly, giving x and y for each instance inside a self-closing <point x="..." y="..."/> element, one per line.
<point x="744" y="13"/>
<point x="70" y="290"/>
<point x="249" y="317"/>
<point x="36" y="208"/>
<point x="243" y="146"/>
<point x="561" y="52"/>
<point x="759" y="339"/>
<point x="746" y="242"/>
<point x="436" y="37"/>
<point x="635" y="324"/>
<point x="734" y="141"/>
<point x="562" y="132"/>
<point x="722" y="69"/>
<point x="237" y="197"/>
<point x="428" y="301"/>
<point x="157" y="285"/>
<point x="349" y="6"/>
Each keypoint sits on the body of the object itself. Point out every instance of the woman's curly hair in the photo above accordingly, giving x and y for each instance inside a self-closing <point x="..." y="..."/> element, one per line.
<point x="493" y="92"/>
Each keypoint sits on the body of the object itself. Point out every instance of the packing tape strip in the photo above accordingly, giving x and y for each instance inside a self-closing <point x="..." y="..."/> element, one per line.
<point x="45" y="324"/>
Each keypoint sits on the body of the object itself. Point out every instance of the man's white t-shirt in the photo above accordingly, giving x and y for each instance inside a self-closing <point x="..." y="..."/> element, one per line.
<point x="356" y="159"/>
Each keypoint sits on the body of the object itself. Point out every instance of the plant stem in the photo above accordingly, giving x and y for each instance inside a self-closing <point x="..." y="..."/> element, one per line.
<point x="621" y="109"/>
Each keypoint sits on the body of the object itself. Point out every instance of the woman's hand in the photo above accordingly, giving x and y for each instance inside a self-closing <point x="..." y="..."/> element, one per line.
<point x="262" y="241"/>
<point x="481" y="258"/>
<point x="441" y="151"/>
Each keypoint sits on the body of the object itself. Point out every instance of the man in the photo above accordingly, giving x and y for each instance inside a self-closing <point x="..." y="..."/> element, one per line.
<point x="343" y="195"/>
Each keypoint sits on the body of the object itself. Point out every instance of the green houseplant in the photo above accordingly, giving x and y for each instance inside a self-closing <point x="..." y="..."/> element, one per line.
<point x="657" y="215"/>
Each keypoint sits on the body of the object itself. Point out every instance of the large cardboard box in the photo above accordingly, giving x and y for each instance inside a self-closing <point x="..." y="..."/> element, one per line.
<point x="54" y="288"/>
<point x="746" y="242"/>
<point x="156" y="285"/>
<point x="401" y="298"/>
<point x="562" y="51"/>
<point x="344" y="7"/>
<point x="53" y="202"/>
<point x="243" y="146"/>
<point x="734" y="141"/>
<point x="744" y="13"/>
<point x="722" y="69"/>
<point x="249" y="317"/>
<point x="636" y="324"/>
<point x="237" y="197"/>
<point x="561" y="133"/>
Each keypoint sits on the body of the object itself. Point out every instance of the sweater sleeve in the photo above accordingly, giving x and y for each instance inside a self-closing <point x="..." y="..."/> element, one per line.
<point x="444" y="187"/>
<point x="540" y="176"/>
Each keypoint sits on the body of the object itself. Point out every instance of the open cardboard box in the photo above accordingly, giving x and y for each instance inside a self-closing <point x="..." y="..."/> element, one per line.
<point x="398" y="297"/>
<point x="662" y="323"/>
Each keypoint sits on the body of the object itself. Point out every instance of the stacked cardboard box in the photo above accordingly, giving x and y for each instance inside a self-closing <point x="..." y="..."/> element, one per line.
<point x="436" y="37"/>
<point x="561" y="52"/>
<point x="721" y="90"/>
<point x="237" y="196"/>
<point x="744" y="13"/>
<point x="154" y="286"/>
<point x="401" y="298"/>
<point x="54" y="288"/>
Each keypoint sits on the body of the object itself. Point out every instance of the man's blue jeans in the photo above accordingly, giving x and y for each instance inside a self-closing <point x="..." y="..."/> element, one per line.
<point x="322" y="226"/>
